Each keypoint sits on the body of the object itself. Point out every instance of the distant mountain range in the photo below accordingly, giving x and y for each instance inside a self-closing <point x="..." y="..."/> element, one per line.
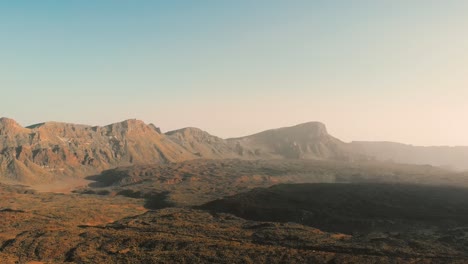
<point x="51" y="150"/>
<point x="455" y="158"/>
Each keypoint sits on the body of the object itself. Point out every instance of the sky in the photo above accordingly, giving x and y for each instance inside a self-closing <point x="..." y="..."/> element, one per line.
<point x="389" y="70"/>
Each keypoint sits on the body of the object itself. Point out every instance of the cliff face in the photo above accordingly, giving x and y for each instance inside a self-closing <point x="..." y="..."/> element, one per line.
<point x="304" y="141"/>
<point x="45" y="151"/>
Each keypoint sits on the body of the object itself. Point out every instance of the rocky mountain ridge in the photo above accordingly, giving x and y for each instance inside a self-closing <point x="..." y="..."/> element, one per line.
<point x="48" y="151"/>
<point x="304" y="141"/>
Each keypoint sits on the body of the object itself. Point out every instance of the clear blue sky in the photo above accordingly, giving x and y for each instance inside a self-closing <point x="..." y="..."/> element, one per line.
<point x="370" y="70"/>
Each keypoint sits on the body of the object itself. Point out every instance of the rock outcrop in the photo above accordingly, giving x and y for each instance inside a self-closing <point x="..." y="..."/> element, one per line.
<point x="48" y="151"/>
<point x="305" y="141"/>
<point x="45" y="151"/>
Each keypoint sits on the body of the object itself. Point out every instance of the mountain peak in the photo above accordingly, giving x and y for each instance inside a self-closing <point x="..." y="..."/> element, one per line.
<point x="6" y="120"/>
<point x="129" y="123"/>
<point x="133" y="121"/>
<point x="315" y="128"/>
<point x="133" y="126"/>
<point x="304" y="130"/>
<point x="306" y="141"/>
<point x="9" y="125"/>
<point x="311" y="124"/>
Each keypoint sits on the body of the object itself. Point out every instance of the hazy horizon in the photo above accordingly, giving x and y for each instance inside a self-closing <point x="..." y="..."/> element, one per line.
<point x="374" y="71"/>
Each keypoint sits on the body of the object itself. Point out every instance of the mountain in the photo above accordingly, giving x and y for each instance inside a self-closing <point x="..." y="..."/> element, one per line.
<point x="442" y="156"/>
<point x="46" y="151"/>
<point x="304" y="141"/>
<point x="49" y="151"/>
<point x="202" y="144"/>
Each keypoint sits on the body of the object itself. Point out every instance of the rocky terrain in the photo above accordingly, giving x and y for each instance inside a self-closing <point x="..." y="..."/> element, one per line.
<point x="48" y="151"/>
<point x="51" y="151"/>
<point x="195" y="182"/>
<point x="107" y="227"/>
<point x="305" y="141"/>
<point x="352" y="207"/>
<point x="128" y="193"/>
<point x="192" y="236"/>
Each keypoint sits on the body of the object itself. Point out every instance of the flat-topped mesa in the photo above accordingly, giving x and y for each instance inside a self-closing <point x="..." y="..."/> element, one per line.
<point x="319" y="127"/>
<point x="310" y="129"/>
<point x="304" y="141"/>
<point x="8" y="125"/>
<point x="302" y="132"/>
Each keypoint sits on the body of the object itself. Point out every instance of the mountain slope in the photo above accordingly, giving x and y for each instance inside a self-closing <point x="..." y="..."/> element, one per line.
<point x="202" y="144"/>
<point x="45" y="151"/>
<point x="304" y="141"/>
<point x="49" y="151"/>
